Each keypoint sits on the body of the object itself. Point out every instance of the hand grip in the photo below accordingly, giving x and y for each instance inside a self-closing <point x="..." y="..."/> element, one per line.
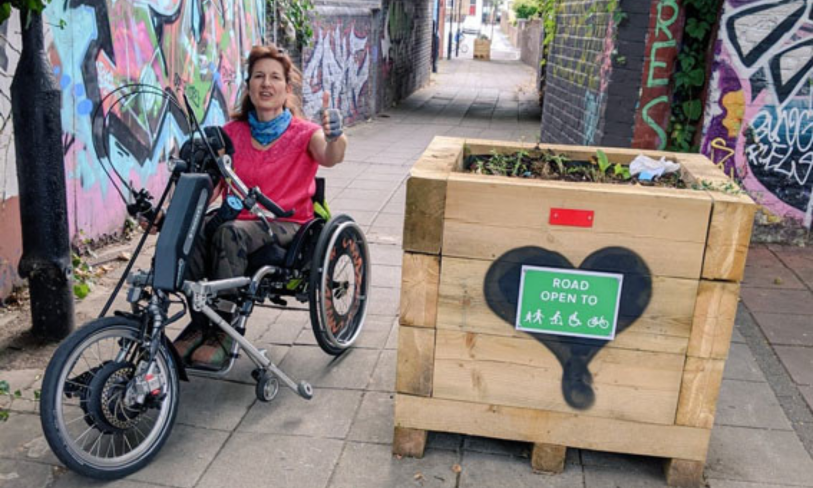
<point x="270" y="205"/>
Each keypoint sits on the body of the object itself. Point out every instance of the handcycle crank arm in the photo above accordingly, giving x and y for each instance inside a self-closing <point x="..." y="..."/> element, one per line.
<point x="302" y="389"/>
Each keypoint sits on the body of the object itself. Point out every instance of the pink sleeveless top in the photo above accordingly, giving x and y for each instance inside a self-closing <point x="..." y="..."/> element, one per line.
<point x="285" y="172"/>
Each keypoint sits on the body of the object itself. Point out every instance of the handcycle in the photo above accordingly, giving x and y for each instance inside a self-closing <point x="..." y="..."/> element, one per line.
<point x="110" y="393"/>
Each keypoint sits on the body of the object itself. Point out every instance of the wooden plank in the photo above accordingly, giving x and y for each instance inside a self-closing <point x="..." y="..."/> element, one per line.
<point x="564" y="429"/>
<point x="409" y="442"/>
<point x="664" y="326"/>
<point x="420" y="277"/>
<point x="629" y="385"/>
<point x="714" y="315"/>
<point x="416" y="356"/>
<point x="423" y="214"/>
<point x="684" y="473"/>
<point x="488" y="216"/>
<point x="699" y="391"/>
<point x="732" y="220"/>
<point x="426" y="195"/>
<point x="443" y="155"/>
<point x="548" y="458"/>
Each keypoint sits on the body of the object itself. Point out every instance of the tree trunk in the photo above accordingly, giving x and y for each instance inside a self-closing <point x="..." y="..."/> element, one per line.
<point x="46" y="260"/>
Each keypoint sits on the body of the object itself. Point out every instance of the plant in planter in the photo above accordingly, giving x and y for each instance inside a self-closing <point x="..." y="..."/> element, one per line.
<point x="621" y="341"/>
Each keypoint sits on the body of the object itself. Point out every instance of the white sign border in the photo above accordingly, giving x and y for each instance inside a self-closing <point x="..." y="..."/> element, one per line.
<point x="526" y="267"/>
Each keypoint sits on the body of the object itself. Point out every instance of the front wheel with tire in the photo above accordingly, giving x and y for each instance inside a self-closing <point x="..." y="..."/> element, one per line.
<point x="87" y="413"/>
<point x="339" y="285"/>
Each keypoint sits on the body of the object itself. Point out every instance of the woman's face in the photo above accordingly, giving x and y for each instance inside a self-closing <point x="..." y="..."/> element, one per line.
<point x="267" y="88"/>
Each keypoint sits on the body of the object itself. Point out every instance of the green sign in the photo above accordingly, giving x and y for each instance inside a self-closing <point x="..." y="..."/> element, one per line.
<point x="569" y="302"/>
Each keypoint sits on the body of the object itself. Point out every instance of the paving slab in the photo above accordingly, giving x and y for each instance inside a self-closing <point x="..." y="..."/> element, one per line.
<point x="352" y="369"/>
<point x="392" y="340"/>
<point x="22" y="439"/>
<point x="25" y="474"/>
<point x="214" y="404"/>
<point x="776" y="278"/>
<point x="715" y="483"/>
<point x="750" y="404"/>
<point x="482" y="469"/>
<point x="374" y="421"/>
<point x="249" y="460"/>
<point x="328" y="415"/>
<point x="786" y="329"/>
<point x="761" y="456"/>
<point x="778" y="301"/>
<point x="384" y="375"/>
<point x="189" y="447"/>
<point x="741" y="364"/>
<point x="762" y="255"/>
<point x="644" y="476"/>
<point x="389" y="255"/>
<point x="807" y="394"/>
<point x="373" y="466"/>
<point x="798" y="360"/>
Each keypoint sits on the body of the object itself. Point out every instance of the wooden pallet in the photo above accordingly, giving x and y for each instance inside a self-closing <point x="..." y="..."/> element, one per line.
<point x="463" y="369"/>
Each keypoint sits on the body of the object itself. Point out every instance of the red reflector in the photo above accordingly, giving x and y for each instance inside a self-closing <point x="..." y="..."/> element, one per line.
<point x="155" y="392"/>
<point x="571" y="217"/>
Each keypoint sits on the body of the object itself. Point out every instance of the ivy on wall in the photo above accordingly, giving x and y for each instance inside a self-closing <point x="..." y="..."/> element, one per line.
<point x="295" y="20"/>
<point x="690" y="74"/>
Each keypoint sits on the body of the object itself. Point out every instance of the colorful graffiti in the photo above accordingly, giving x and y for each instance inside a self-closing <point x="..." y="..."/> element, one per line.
<point x="761" y="103"/>
<point x="193" y="47"/>
<point x="339" y="62"/>
<point x="96" y="46"/>
<point x="665" y="32"/>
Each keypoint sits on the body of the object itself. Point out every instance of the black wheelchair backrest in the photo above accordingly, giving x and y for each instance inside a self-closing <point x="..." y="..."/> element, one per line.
<point x="180" y="230"/>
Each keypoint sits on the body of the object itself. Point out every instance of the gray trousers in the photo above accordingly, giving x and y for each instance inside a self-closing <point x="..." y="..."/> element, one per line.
<point x="226" y="254"/>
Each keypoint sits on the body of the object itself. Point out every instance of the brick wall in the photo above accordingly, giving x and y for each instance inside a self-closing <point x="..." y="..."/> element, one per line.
<point x="577" y="74"/>
<point x="594" y="64"/>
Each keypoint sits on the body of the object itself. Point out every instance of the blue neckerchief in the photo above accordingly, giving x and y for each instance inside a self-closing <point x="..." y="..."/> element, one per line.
<point x="268" y="132"/>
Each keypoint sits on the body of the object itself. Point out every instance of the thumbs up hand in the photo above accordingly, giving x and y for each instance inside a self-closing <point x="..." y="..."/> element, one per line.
<point x="331" y="119"/>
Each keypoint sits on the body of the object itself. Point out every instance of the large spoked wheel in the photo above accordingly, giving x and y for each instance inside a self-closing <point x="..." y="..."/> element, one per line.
<point x="339" y="285"/>
<point x="89" y="421"/>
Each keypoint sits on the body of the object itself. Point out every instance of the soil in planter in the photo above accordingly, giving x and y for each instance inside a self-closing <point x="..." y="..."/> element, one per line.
<point x="547" y="165"/>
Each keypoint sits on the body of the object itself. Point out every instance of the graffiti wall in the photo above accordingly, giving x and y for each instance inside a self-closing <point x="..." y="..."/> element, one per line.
<point x="759" y="116"/>
<point x="194" y="47"/>
<point x="368" y="59"/>
<point x="655" y="107"/>
<point x="339" y="61"/>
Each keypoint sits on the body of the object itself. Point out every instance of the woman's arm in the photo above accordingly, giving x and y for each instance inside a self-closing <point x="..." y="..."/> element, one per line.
<point x="327" y="146"/>
<point x="327" y="153"/>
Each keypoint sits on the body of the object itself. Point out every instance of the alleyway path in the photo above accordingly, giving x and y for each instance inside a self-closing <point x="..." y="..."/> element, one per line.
<point x="342" y="438"/>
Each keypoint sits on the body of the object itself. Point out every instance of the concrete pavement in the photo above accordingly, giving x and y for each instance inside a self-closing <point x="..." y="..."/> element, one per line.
<point x="225" y="437"/>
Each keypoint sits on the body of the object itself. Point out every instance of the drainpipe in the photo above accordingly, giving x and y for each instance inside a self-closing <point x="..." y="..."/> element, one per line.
<point x="46" y="260"/>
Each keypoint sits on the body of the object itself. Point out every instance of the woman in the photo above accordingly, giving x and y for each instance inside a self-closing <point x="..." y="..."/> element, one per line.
<point x="279" y="151"/>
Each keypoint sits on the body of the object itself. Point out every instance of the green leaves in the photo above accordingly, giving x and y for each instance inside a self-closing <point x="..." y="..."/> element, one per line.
<point x="693" y="109"/>
<point x="603" y="161"/>
<point x="697" y="29"/>
<point x="24" y="5"/>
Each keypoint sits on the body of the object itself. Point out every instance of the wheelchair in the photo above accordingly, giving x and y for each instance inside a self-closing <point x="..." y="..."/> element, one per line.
<point x="110" y="393"/>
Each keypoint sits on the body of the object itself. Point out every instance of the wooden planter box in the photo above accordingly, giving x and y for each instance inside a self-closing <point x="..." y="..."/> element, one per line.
<point x="482" y="49"/>
<point x="463" y="368"/>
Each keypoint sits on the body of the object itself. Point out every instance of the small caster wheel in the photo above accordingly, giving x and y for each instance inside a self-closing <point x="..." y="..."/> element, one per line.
<point x="305" y="390"/>
<point x="267" y="387"/>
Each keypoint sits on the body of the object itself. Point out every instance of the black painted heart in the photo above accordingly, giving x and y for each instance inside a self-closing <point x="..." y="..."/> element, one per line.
<point x="501" y="290"/>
